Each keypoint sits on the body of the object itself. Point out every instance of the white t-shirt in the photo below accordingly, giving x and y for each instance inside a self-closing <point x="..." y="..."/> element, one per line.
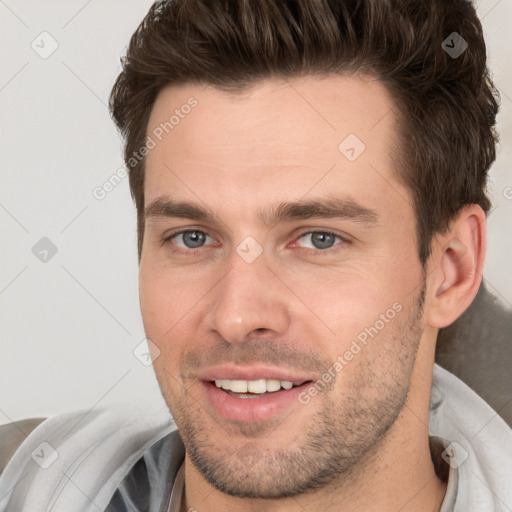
<point x="122" y="459"/>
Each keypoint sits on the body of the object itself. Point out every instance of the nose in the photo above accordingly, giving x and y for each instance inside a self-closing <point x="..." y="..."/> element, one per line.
<point x="249" y="298"/>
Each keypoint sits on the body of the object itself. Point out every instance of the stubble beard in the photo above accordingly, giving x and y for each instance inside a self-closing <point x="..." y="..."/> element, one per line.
<point x="334" y="445"/>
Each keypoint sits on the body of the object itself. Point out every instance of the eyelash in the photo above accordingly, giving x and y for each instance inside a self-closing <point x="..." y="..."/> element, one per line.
<point x="314" y="252"/>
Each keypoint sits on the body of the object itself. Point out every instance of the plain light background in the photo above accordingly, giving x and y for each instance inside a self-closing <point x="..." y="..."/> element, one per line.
<point x="69" y="326"/>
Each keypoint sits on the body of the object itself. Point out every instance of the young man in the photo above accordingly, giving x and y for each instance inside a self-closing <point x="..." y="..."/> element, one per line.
<point x="310" y="180"/>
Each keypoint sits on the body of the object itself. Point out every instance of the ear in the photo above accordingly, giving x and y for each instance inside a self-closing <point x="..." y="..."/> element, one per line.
<point x="455" y="267"/>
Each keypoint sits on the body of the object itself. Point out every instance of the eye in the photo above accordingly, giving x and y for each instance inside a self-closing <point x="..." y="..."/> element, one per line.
<point x="189" y="239"/>
<point x="321" y="240"/>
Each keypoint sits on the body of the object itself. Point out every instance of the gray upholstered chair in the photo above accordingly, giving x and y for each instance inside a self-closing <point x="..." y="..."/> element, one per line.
<point x="477" y="348"/>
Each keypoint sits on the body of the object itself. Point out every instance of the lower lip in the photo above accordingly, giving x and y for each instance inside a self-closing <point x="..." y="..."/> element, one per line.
<point x="250" y="410"/>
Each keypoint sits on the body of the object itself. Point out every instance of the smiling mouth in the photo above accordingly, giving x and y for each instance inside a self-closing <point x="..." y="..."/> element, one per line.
<point x="255" y="388"/>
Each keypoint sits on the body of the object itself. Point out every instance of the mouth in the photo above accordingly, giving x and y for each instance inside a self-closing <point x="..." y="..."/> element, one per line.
<point x="255" y="388"/>
<point x="252" y="401"/>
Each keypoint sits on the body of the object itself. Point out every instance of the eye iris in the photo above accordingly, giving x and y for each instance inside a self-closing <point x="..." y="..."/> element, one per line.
<point x="322" y="240"/>
<point x="193" y="239"/>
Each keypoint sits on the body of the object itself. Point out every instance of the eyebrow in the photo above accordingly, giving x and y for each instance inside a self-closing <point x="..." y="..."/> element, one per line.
<point x="322" y="208"/>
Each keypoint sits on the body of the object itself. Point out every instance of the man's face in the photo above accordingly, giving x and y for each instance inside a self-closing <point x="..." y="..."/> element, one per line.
<point x="270" y="288"/>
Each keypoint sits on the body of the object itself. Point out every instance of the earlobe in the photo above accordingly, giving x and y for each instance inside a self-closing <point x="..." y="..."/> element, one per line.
<point x="458" y="264"/>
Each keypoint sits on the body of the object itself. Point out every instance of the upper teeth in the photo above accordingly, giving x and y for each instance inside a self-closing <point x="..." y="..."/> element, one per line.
<point x="253" y="386"/>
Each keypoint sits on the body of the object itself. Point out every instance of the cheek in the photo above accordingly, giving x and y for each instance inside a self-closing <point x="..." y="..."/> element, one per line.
<point x="337" y="293"/>
<point x="352" y="303"/>
<point x="161" y="312"/>
<point x="162" y="309"/>
<point x="170" y="301"/>
<point x="155" y="302"/>
<point x="166" y="296"/>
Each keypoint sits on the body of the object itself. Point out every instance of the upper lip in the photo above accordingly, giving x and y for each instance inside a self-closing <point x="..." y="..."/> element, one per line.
<point x="233" y="372"/>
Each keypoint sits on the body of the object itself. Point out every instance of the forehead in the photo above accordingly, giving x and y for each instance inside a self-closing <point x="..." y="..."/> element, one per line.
<point x="280" y="140"/>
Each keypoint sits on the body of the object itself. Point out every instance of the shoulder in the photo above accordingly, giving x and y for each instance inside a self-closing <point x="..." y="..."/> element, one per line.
<point x="12" y="435"/>
<point x="78" y="454"/>
<point x="477" y="441"/>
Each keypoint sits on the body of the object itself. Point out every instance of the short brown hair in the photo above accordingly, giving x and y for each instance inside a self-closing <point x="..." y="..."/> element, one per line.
<point x="446" y="104"/>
